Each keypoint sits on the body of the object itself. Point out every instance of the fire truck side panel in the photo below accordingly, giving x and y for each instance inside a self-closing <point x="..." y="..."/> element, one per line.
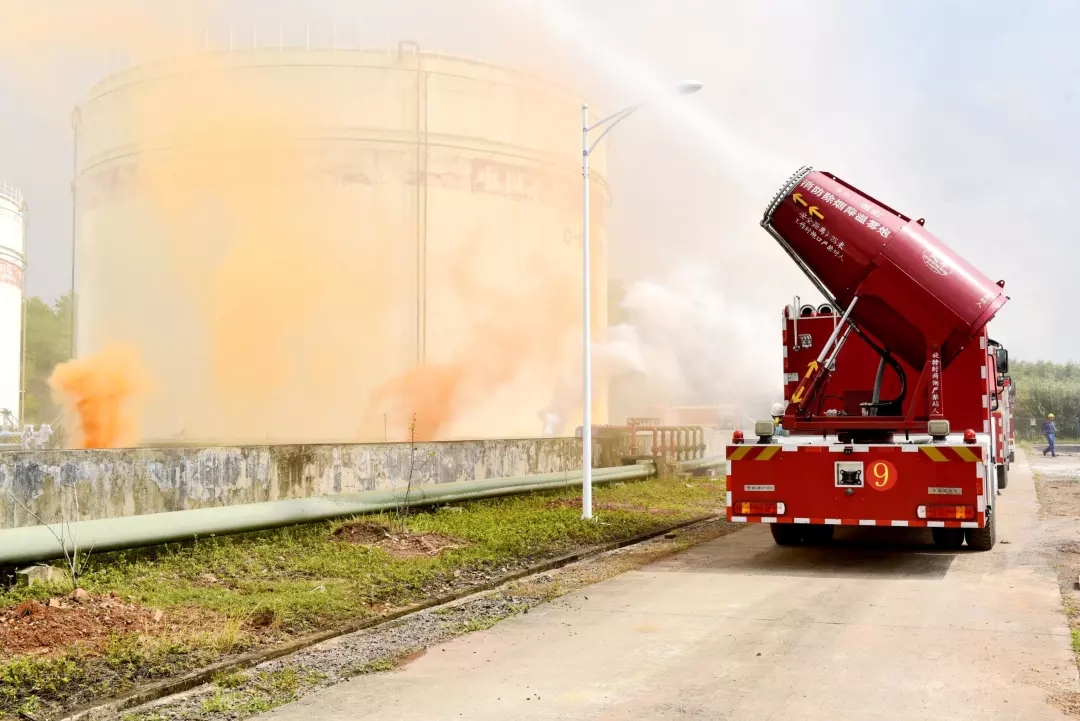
<point x="999" y="437"/>
<point x="874" y="485"/>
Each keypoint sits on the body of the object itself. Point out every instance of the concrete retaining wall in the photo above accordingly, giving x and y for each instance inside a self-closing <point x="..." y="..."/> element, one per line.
<point x="125" y="482"/>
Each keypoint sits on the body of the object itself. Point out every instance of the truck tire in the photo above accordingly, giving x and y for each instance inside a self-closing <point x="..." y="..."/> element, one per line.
<point x="1002" y="473"/>
<point x="950" y="539"/>
<point x="983" y="539"/>
<point x="786" y="534"/>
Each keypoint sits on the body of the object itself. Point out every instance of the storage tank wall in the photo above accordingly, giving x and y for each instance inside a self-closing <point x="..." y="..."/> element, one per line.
<point x="431" y="213"/>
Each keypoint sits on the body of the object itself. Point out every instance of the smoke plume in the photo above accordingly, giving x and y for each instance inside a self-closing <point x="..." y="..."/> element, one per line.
<point x="682" y="340"/>
<point x="703" y="344"/>
<point x="103" y="394"/>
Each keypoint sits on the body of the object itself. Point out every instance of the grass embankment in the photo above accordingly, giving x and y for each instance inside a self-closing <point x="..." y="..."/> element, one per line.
<point x="221" y="596"/>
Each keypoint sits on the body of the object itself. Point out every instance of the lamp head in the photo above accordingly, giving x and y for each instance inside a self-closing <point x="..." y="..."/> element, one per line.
<point x="686" y="87"/>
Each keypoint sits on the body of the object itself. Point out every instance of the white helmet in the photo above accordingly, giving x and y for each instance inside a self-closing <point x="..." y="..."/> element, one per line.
<point x="778" y="408"/>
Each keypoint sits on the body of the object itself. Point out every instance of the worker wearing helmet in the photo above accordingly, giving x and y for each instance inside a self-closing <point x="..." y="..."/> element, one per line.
<point x="777" y="416"/>
<point x="1050" y="430"/>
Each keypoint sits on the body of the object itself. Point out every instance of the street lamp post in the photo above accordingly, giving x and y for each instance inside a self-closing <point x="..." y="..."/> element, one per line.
<point x="684" y="88"/>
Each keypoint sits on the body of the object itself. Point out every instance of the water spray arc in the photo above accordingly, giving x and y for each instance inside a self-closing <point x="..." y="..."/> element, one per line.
<point x="605" y="126"/>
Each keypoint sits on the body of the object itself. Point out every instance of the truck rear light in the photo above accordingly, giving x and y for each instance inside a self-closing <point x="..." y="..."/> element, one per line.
<point x="938" y="428"/>
<point x="737" y="437"/>
<point x="969" y="436"/>
<point x="947" y="513"/>
<point x="760" y="508"/>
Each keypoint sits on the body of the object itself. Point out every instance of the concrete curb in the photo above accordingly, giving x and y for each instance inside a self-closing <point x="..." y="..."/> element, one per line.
<point x="156" y="691"/>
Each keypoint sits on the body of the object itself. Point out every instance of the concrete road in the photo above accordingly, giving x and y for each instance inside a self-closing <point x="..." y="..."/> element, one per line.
<point x="875" y="627"/>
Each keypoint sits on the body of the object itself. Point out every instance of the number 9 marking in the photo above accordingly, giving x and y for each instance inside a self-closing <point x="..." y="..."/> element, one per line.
<point x="882" y="475"/>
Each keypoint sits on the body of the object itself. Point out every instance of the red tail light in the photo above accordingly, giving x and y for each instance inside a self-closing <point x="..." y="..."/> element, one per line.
<point x="754" y="508"/>
<point x="947" y="513"/>
<point x="737" y="437"/>
<point x="969" y="436"/>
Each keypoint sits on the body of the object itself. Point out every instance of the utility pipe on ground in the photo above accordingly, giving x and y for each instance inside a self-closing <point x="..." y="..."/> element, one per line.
<point x="700" y="464"/>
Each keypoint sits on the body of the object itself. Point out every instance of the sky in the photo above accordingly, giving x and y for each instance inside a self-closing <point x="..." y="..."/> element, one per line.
<point x="964" y="113"/>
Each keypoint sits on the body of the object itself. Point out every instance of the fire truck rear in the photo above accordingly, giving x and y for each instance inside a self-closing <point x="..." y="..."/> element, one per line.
<point x="894" y="390"/>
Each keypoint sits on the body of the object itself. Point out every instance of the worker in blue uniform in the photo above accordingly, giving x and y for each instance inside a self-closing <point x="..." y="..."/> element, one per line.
<point x="1050" y="431"/>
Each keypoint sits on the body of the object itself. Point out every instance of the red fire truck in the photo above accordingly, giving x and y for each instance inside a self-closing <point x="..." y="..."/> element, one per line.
<point x="891" y="386"/>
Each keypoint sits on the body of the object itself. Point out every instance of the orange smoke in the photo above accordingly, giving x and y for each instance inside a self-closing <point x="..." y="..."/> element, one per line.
<point x="104" y="393"/>
<point x="278" y="279"/>
<point x="429" y="391"/>
<point x="523" y="329"/>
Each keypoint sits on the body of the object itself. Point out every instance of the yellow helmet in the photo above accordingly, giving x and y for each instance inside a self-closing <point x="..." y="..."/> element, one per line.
<point x="1050" y="415"/>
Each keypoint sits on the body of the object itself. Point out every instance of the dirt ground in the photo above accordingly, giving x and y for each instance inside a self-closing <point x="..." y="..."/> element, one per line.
<point x="400" y="544"/>
<point x="62" y="622"/>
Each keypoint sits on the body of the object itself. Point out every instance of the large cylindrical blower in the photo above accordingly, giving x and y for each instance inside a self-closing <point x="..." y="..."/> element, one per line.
<point x="915" y="295"/>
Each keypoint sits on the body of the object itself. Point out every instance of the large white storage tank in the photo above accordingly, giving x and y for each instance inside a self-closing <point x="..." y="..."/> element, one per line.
<point x="12" y="268"/>
<point x="313" y="245"/>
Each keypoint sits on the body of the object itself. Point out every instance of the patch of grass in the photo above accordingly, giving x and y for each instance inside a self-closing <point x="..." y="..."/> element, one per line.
<point x="264" y="691"/>
<point x="78" y="676"/>
<point x="476" y="624"/>
<point x="380" y="665"/>
<point x="234" y="679"/>
<point x="1040" y="494"/>
<point x="385" y="664"/>
<point x="262" y="586"/>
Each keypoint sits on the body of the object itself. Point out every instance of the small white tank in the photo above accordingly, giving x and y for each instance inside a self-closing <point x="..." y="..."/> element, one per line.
<point x="12" y="269"/>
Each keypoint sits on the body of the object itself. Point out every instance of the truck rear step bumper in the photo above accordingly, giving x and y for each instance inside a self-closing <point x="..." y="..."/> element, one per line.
<point x="857" y="522"/>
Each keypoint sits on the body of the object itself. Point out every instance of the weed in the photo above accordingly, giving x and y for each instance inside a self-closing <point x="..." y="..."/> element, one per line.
<point x="258" y="693"/>
<point x="64" y="531"/>
<point x="386" y="663"/>
<point x="481" y="623"/>
<point x="402" y="509"/>
<point x="232" y="680"/>
<point x="379" y="665"/>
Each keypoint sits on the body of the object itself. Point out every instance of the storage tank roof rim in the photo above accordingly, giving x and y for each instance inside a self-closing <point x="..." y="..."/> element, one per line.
<point x="13" y="195"/>
<point x="144" y="72"/>
<point x="603" y="186"/>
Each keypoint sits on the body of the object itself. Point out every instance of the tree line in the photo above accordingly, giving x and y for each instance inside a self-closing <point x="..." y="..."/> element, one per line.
<point x="1043" y="387"/>
<point x="48" y="343"/>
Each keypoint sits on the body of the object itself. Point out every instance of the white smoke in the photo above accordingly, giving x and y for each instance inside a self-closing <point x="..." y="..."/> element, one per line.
<point x="685" y="341"/>
<point x="706" y="345"/>
<point x="622" y="353"/>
